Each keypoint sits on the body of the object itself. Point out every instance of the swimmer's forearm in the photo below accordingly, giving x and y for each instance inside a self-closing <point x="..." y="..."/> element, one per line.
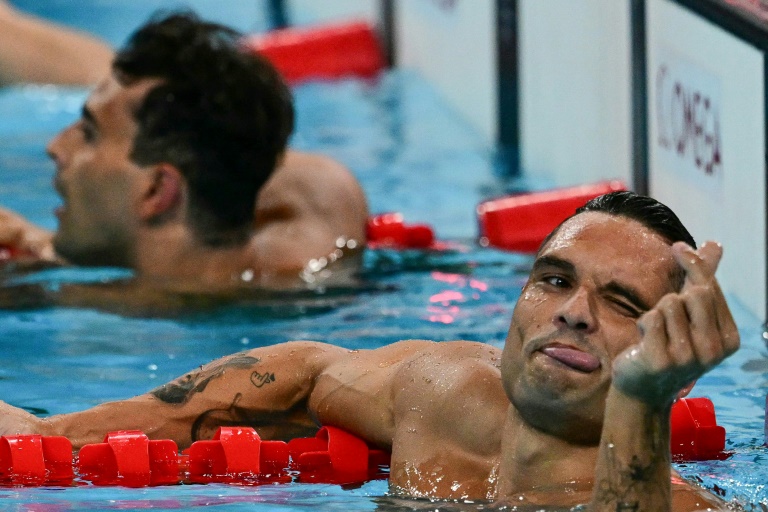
<point x="157" y="420"/>
<point x="633" y="468"/>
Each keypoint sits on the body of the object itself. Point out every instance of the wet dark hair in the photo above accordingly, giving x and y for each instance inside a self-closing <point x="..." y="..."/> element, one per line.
<point x="649" y="212"/>
<point x="220" y="115"/>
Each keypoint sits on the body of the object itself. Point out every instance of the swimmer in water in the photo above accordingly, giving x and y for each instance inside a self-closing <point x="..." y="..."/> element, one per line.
<point x="173" y="153"/>
<point x="620" y="315"/>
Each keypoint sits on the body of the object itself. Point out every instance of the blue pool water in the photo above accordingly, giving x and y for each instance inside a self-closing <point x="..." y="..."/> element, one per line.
<point x="412" y="154"/>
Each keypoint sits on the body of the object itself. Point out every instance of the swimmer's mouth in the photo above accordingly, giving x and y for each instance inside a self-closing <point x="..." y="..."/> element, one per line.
<point x="572" y="357"/>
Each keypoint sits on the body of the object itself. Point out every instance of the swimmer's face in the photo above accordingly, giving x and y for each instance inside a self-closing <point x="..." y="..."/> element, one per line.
<point x="99" y="184"/>
<point x="577" y="312"/>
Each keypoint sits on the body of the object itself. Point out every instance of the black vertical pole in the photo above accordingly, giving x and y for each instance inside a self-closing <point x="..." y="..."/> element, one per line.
<point x="278" y="15"/>
<point x="640" y="147"/>
<point x="387" y="29"/>
<point x="508" y="84"/>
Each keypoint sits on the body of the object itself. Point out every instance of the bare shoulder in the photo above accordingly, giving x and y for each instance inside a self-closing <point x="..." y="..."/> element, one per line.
<point x="460" y="378"/>
<point x="307" y="206"/>
<point x="313" y="184"/>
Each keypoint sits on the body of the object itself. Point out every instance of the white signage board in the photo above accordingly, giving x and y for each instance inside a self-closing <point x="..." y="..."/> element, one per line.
<point x="707" y="140"/>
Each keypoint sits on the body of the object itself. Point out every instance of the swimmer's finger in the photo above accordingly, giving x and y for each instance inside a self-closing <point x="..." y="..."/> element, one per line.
<point x="699" y="266"/>
<point x="654" y="340"/>
<point x="677" y="325"/>
<point x="713" y="332"/>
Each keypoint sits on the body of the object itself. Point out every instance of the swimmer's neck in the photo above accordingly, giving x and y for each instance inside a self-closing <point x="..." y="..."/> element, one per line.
<point x="534" y="462"/>
<point x="172" y="257"/>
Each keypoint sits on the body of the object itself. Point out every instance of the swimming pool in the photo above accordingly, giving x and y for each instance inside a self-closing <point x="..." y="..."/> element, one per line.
<point x="413" y="155"/>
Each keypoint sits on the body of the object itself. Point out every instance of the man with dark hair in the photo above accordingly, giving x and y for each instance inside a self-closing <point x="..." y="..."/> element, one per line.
<point x="576" y="409"/>
<point x="174" y="152"/>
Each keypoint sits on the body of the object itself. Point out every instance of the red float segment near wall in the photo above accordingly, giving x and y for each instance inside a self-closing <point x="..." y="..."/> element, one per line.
<point x="325" y="52"/>
<point x="521" y="222"/>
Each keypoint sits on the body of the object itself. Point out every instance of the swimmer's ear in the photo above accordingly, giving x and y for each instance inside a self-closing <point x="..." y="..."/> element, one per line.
<point x="684" y="392"/>
<point x="163" y="192"/>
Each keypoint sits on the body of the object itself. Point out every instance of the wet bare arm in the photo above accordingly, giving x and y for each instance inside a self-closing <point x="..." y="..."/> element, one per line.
<point x="35" y="50"/>
<point x="266" y="388"/>
<point x="683" y="336"/>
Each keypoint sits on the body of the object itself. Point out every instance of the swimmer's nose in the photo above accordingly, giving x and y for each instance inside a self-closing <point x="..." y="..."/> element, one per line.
<point x="54" y="149"/>
<point x="576" y="312"/>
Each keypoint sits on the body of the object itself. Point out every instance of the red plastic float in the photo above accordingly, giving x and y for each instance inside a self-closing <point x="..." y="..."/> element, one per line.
<point x="695" y="434"/>
<point x="322" y="52"/>
<point x="238" y="455"/>
<point x="129" y="458"/>
<point x="521" y="222"/>
<point x="388" y="230"/>
<point x="35" y="460"/>
<point x="336" y="456"/>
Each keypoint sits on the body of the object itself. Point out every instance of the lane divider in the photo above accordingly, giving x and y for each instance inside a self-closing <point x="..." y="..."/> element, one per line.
<point x="236" y="455"/>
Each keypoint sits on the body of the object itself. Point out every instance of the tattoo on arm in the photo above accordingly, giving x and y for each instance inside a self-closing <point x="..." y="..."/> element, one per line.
<point x="259" y="379"/>
<point x="625" y="484"/>
<point x="180" y="391"/>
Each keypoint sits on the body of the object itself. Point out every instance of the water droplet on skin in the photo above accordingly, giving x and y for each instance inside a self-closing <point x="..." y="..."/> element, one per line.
<point x="247" y="275"/>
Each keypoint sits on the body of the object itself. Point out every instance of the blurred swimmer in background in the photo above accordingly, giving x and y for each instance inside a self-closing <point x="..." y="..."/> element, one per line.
<point x="176" y="148"/>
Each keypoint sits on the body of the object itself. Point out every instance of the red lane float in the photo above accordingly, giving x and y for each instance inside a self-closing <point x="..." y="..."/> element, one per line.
<point x="695" y="434"/>
<point x="35" y="460"/>
<point x="337" y="457"/>
<point x="237" y="455"/>
<point x="388" y="230"/>
<point x="521" y="222"/>
<point x="130" y="459"/>
<point x="322" y="52"/>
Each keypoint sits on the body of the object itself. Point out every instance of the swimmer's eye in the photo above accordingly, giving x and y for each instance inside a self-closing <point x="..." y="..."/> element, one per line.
<point x="556" y="281"/>
<point x="625" y="308"/>
<point x="88" y="130"/>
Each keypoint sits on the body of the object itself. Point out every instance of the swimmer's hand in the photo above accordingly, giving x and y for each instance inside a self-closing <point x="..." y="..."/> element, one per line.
<point x="23" y="240"/>
<point x="685" y="335"/>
